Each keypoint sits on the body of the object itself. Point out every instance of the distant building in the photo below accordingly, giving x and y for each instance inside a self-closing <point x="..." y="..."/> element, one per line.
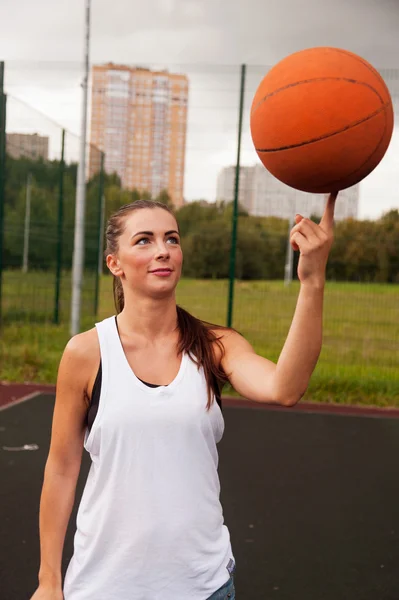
<point x="28" y="145"/>
<point x="139" y="119"/>
<point x="262" y="195"/>
<point x="226" y="186"/>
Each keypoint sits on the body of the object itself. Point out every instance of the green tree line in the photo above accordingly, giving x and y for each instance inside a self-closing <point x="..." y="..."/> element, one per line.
<point x="363" y="251"/>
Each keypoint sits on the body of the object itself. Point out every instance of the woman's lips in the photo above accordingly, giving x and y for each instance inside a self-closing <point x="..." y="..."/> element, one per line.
<point x="162" y="272"/>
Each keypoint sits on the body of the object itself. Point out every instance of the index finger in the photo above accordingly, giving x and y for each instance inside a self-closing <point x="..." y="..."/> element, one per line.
<point x="327" y="219"/>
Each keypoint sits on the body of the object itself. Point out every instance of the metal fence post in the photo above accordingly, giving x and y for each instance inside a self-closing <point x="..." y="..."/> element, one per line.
<point x="100" y="223"/>
<point x="59" y="232"/>
<point x="25" y="259"/>
<point x="3" y="103"/>
<point x="233" y="249"/>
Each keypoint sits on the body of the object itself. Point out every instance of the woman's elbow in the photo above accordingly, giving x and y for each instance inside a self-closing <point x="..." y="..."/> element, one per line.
<point x="291" y="400"/>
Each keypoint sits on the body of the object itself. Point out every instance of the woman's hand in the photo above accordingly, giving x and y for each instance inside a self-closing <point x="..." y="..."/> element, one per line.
<point x="314" y="243"/>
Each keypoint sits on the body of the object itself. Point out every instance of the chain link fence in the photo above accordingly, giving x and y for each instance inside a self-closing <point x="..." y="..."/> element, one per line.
<point x="361" y="340"/>
<point x="39" y="219"/>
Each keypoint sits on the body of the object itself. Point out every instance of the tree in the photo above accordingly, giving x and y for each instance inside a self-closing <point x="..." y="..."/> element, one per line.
<point x="164" y="198"/>
<point x="206" y="251"/>
<point x="192" y="214"/>
<point x="362" y="250"/>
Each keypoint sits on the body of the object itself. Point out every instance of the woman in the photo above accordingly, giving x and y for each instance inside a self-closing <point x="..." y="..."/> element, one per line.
<point x="140" y="392"/>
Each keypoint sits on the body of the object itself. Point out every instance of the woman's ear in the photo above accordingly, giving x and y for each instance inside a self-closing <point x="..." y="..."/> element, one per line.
<point x="114" y="265"/>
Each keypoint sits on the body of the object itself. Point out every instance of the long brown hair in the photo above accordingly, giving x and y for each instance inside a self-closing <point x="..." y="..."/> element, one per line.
<point x="195" y="335"/>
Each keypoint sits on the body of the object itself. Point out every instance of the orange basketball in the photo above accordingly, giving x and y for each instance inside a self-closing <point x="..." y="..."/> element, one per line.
<point x="321" y="119"/>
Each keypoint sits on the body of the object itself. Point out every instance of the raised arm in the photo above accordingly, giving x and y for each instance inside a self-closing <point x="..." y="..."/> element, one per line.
<point x="259" y="379"/>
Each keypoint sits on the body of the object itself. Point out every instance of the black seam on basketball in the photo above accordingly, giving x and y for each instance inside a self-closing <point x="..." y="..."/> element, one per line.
<point x="365" y="64"/>
<point x="330" y="184"/>
<point x="350" y="55"/>
<point x="327" y="135"/>
<point x="314" y="79"/>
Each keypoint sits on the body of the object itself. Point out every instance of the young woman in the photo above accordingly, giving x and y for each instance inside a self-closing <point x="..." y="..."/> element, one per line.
<point x="140" y="392"/>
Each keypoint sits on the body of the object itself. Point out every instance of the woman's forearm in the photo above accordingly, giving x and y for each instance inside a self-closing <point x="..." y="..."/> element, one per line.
<point x="56" y="505"/>
<point x="303" y="344"/>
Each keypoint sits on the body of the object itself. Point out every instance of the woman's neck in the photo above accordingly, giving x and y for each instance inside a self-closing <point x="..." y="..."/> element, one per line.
<point x="150" y="319"/>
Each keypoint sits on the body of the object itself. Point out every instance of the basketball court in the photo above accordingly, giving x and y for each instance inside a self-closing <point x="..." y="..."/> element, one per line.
<point x="310" y="496"/>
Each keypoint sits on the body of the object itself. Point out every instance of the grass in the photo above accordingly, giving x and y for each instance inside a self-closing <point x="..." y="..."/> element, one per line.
<point x="358" y="363"/>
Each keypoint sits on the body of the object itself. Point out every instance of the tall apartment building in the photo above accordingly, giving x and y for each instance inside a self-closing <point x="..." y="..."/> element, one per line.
<point x="139" y="119"/>
<point x="28" y="145"/>
<point x="262" y="195"/>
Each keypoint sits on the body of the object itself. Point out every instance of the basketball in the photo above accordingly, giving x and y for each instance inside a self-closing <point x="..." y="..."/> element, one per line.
<point x="321" y="120"/>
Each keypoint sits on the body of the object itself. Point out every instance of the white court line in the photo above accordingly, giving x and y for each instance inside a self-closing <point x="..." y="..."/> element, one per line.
<point x="23" y="399"/>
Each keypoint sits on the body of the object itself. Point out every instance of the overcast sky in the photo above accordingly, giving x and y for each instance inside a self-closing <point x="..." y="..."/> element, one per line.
<point x="42" y="44"/>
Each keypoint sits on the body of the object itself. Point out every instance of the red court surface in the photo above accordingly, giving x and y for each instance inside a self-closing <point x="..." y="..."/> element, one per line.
<point x="12" y="392"/>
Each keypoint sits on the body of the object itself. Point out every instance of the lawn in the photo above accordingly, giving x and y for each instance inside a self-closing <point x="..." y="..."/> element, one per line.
<point x="359" y="362"/>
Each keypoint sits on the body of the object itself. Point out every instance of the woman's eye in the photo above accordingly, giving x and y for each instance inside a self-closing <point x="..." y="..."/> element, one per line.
<point x="172" y="237"/>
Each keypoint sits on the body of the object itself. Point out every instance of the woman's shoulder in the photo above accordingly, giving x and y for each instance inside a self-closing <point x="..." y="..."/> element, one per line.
<point x="224" y="337"/>
<point x="224" y="333"/>
<point x="84" y="348"/>
<point x="84" y="344"/>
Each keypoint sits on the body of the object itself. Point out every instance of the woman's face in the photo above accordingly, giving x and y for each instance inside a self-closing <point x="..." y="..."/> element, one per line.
<point x="149" y="243"/>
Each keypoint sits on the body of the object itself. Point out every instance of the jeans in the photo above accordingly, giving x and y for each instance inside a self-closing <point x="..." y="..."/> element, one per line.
<point x="226" y="592"/>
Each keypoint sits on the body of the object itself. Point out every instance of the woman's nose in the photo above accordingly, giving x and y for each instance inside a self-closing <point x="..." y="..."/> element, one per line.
<point x="162" y="249"/>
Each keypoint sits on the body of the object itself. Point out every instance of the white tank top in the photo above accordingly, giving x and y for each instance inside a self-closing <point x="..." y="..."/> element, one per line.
<point x="150" y="523"/>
